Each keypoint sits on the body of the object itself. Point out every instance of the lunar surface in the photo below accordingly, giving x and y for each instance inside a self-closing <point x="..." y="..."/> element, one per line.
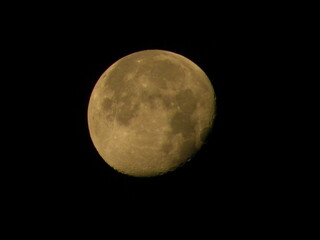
<point x="150" y="112"/>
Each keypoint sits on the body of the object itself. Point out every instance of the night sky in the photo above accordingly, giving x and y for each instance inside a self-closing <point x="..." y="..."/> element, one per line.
<point x="58" y="172"/>
<point x="221" y="171"/>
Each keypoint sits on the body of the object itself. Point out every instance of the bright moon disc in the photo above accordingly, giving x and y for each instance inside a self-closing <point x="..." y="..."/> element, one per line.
<point x="150" y="112"/>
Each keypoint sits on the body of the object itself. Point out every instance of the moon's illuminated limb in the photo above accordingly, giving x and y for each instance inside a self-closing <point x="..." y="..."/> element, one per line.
<point x="150" y="112"/>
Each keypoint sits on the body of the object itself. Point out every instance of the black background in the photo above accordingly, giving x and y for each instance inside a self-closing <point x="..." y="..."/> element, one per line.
<point x="59" y="174"/>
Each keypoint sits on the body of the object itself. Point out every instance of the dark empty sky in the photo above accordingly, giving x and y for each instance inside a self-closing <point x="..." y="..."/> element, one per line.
<point x="57" y="168"/>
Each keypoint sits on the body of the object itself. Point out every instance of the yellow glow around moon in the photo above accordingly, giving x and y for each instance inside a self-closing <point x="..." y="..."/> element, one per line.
<point x="150" y="112"/>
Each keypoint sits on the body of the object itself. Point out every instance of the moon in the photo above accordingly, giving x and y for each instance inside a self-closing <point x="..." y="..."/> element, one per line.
<point x="150" y="112"/>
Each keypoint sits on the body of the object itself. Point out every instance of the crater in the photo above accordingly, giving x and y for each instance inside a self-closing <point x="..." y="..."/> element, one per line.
<point x="167" y="147"/>
<point x="187" y="149"/>
<point x="126" y="107"/>
<point x="116" y="80"/>
<point x="163" y="71"/>
<point x="182" y="123"/>
<point x="168" y="102"/>
<point x="126" y="112"/>
<point x="151" y="98"/>
<point x="186" y="101"/>
<point x="120" y="77"/>
<point x="107" y="104"/>
<point x="204" y="134"/>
